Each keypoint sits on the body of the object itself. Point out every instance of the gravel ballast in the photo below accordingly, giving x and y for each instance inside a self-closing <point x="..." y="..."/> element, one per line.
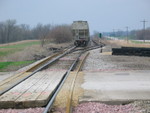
<point x="97" y="61"/>
<point x="93" y="107"/>
<point x="30" y="110"/>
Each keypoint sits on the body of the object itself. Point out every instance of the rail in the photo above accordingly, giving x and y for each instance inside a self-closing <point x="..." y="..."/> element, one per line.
<point x="57" y="89"/>
<point x="36" y="70"/>
<point x="69" y="102"/>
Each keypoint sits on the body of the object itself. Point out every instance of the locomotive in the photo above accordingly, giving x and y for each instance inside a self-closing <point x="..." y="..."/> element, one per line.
<point x="80" y="30"/>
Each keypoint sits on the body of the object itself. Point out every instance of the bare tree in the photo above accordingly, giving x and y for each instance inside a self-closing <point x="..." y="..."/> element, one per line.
<point x="42" y="31"/>
<point x="2" y="34"/>
<point x="9" y="28"/>
<point x="143" y="34"/>
<point x="61" y="34"/>
<point x="10" y="32"/>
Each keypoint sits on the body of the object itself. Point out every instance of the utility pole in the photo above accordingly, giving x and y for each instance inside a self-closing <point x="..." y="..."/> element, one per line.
<point x="127" y="33"/>
<point x="144" y="21"/>
<point x="118" y="34"/>
<point x="114" y="32"/>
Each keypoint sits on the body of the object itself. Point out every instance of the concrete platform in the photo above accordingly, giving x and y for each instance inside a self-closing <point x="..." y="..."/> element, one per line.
<point x="33" y="92"/>
<point x="116" y="87"/>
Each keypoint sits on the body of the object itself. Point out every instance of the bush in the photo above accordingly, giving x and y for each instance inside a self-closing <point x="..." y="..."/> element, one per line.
<point x="60" y="34"/>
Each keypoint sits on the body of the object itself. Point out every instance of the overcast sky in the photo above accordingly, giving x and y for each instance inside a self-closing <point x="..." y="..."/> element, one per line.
<point x="102" y="15"/>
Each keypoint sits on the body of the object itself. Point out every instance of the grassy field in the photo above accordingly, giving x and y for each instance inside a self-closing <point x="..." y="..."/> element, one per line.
<point x="15" y="55"/>
<point x="12" y="48"/>
<point x="21" y="45"/>
<point x="9" y="52"/>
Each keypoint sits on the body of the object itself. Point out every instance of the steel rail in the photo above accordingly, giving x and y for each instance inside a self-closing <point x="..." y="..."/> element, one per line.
<point x="87" y="49"/>
<point x="35" y="71"/>
<point x="84" y="48"/>
<point x="100" y="44"/>
<point x="69" y="102"/>
<point x="57" y="89"/>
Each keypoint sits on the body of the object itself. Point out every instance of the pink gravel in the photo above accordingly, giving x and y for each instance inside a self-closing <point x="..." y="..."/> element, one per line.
<point x="30" y="110"/>
<point x="94" y="107"/>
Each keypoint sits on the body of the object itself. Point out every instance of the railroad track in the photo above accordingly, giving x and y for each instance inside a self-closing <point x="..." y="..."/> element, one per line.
<point x="69" y="100"/>
<point x="28" y="73"/>
<point x="71" y="68"/>
<point x="44" y="64"/>
<point x="98" y="43"/>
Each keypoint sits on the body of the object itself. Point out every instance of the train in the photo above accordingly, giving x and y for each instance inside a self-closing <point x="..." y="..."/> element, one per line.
<point x="80" y="31"/>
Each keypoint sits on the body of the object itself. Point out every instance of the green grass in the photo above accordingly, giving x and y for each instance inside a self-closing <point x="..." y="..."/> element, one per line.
<point x="4" y="53"/>
<point x="4" y="65"/>
<point x="9" y="49"/>
<point x="22" y="45"/>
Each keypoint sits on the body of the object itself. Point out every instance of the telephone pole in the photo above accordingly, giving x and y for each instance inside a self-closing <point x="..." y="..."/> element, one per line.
<point x="144" y="21"/>
<point x="114" y="32"/>
<point x="118" y="32"/>
<point x="127" y="33"/>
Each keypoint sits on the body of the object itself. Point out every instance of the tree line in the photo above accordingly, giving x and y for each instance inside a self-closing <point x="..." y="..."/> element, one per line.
<point x="134" y="34"/>
<point x="10" y="31"/>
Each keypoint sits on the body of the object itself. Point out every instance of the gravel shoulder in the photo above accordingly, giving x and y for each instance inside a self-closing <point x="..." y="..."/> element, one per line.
<point x="103" y="61"/>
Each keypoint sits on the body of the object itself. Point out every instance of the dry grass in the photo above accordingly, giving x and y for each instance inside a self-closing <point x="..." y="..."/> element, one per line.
<point x="25" y="51"/>
<point x="19" y="51"/>
<point x="131" y="44"/>
<point x="27" y="54"/>
<point x="19" y="42"/>
<point x="125" y="43"/>
<point x="62" y="45"/>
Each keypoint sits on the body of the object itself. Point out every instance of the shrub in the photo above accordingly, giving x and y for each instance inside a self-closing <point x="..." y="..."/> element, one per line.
<point x="61" y="34"/>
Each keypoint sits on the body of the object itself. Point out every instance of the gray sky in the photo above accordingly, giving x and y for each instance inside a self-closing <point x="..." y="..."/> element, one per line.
<point x="102" y="15"/>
